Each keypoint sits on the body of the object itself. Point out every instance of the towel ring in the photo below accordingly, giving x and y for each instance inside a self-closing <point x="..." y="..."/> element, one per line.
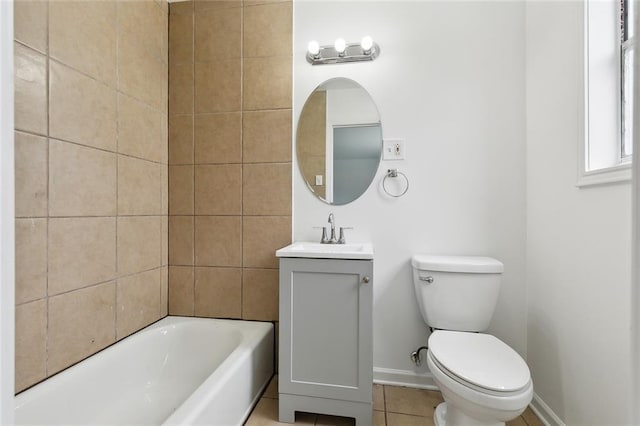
<point x="393" y="173"/>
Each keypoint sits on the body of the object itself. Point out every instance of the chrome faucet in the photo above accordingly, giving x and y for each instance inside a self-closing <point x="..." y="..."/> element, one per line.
<point x="332" y="221"/>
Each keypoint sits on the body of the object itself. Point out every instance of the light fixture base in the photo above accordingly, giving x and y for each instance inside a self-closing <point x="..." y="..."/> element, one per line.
<point x="352" y="53"/>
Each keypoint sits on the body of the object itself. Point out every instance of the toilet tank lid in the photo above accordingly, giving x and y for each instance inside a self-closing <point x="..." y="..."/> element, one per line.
<point x="473" y="264"/>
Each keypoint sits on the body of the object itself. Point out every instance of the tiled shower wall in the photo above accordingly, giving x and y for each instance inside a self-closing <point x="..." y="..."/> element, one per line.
<point x="229" y="156"/>
<point x="91" y="178"/>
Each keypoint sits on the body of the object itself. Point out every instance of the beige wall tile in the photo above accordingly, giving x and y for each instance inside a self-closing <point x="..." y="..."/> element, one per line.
<point x="31" y="165"/>
<point x="143" y="22"/>
<point x="266" y="136"/>
<point x="181" y="89"/>
<point x="82" y="110"/>
<point x="31" y="344"/>
<point x="165" y="241"/>
<point x="140" y="130"/>
<point x="138" y="302"/>
<point x="181" y="8"/>
<point x="267" y="83"/>
<point x="180" y="190"/>
<point x="268" y="30"/>
<point x="140" y="74"/>
<point x="218" y="292"/>
<point x="31" y="260"/>
<point x="82" y="180"/>
<point x="164" y="182"/>
<point x="218" y="189"/>
<point x="30" y="88"/>
<point x="266" y="189"/>
<point x="218" y="34"/>
<point x="218" y="241"/>
<point x="257" y="2"/>
<point x="31" y="23"/>
<point x="218" y="138"/>
<point x="201" y="5"/>
<point x="261" y="237"/>
<point x="80" y="323"/>
<point x="181" y="289"/>
<point x="218" y="86"/>
<point x="139" y="191"/>
<point x="180" y="39"/>
<point x="139" y="244"/>
<point x="164" y="291"/>
<point x="181" y="240"/>
<point x="260" y="294"/>
<point x="82" y="251"/>
<point x="181" y="139"/>
<point x="83" y="35"/>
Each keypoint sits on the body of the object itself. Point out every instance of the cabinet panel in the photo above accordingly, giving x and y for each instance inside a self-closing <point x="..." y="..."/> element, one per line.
<point x="324" y="328"/>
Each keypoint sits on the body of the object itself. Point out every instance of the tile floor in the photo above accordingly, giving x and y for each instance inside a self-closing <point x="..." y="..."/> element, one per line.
<point x="392" y="405"/>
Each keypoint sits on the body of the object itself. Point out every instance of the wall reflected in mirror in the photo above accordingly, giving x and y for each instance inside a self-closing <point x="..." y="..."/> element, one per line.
<point x="339" y="141"/>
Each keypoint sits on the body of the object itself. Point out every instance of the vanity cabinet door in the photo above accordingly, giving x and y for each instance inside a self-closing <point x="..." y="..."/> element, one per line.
<point x="326" y="328"/>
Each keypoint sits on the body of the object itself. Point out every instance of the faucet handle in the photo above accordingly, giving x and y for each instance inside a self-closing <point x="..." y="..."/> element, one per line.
<point x="341" y="239"/>
<point x="323" y="239"/>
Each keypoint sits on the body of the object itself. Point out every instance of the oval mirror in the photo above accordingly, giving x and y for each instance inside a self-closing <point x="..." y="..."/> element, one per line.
<point x="339" y="141"/>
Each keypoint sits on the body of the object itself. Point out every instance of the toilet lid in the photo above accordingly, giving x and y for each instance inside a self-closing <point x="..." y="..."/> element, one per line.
<point x="480" y="359"/>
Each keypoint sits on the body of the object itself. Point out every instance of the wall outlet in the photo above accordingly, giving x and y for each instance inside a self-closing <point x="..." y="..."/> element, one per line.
<point x="393" y="149"/>
<point x="318" y="180"/>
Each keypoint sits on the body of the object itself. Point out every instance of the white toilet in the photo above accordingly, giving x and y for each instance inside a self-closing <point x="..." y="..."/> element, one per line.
<point x="483" y="381"/>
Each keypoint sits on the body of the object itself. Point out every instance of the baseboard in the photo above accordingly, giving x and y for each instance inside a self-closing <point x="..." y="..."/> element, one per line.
<point x="544" y="412"/>
<point x="410" y="379"/>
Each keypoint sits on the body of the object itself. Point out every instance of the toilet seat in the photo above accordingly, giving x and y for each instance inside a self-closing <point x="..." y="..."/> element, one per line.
<point x="479" y="361"/>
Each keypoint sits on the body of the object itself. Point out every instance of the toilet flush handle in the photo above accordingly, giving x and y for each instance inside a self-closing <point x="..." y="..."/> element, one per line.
<point x="427" y="280"/>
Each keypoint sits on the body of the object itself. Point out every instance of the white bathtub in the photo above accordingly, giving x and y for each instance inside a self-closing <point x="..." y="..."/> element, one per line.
<point x="176" y="371"/>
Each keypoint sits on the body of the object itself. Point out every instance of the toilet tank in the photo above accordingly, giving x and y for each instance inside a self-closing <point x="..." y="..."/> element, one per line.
<point x="457" y="292"/>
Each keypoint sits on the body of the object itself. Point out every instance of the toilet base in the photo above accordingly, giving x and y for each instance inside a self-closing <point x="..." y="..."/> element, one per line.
<point x="450" y="416"/>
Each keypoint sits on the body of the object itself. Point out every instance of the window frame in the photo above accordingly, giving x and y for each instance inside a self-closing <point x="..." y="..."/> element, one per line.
<point x="620" y="169"/>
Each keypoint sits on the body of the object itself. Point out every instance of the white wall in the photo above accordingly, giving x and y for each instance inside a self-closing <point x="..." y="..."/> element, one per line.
<point x="578" y="240"/>
<point x="450" y="80"/>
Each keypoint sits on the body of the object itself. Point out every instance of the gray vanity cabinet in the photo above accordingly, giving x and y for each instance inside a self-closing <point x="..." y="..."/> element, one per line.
<point x="326" y="360"/>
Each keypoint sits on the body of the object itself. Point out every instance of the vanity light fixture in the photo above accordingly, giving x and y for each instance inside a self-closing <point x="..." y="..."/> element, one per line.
<point x="341" y="51"/>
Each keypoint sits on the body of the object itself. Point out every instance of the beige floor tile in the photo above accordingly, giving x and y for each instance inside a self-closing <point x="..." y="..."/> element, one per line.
<point x="531" y="418"/>
<point x="266" y="414"/>
<point x="416" y="402"/>
<point x="395" y="419"/>
<point x="379" y="418"/>
<point x="518" y="421"/>
<point x="378" y="397"/>
<point x="272" y="389"/>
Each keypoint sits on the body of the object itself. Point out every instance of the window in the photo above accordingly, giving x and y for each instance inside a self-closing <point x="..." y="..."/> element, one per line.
<point x="608" y="71"/>
<point x="627" y="47"/>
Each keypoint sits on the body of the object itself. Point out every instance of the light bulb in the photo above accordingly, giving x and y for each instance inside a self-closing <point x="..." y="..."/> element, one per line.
<point x="366" y="43"/>
<point x="313" y="47"/>
<point x="340" y="45"/>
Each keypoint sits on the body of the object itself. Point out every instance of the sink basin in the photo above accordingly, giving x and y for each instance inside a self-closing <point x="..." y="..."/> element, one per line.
<point x="327" y="251"/>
